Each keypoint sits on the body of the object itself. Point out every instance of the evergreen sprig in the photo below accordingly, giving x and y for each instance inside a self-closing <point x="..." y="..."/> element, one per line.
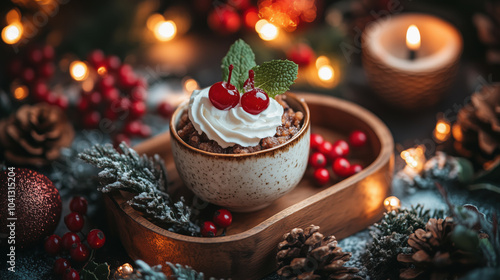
<point x="390" y="238"/>
<point x="144" y="176"/>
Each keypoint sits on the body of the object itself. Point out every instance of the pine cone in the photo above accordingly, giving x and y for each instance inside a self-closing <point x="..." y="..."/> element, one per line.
<point x="479" y="124"/>
<point x="307" y="254"/>
<point x="488" y="30"/>
<point x="35" y="134"/>
<point x="434" y="254"/>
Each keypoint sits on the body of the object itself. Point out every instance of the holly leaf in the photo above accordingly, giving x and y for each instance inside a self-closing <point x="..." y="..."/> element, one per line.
<point x="94" y="271"/>
<point x="466" y="170"/>
<point x="275" y="77"/>
<point x="241" y="56"/>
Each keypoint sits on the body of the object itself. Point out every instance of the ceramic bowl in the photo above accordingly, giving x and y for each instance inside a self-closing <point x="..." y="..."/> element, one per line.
<point x="243" y="182"/>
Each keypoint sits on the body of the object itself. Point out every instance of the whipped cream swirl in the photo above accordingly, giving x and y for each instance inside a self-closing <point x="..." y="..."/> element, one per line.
<point x="234" y="126"/>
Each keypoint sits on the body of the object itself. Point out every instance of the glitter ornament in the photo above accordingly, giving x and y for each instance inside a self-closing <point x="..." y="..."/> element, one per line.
<point x="35" y="205"/>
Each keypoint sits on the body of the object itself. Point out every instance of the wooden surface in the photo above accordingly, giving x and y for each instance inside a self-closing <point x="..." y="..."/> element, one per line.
<point x="249" y="248"/>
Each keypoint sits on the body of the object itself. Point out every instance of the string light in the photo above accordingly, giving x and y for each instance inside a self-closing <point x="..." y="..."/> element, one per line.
<point x="326" y="73"/>
<point x="13" y="16"/>
<point x="12" y="33"/>
<point x="78" y="70"/>
<point x="414" y="158"/>
<point x="392" y="203"/>
<point x="190" y="85"/>
<point x="165" y="30"/>
<point x="266" y="30"/>
<point x="442" y="131"/>
<point x="125" y="269"/>
<point x="102" y="71"/>
<point x="21" y="92"/>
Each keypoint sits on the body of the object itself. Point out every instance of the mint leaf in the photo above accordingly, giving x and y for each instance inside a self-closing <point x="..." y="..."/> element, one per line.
<point x="275" y="77"/>
<point x="241" y="56"/>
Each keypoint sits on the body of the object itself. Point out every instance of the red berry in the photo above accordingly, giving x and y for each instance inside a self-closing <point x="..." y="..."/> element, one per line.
<point x="122" y="105"/>
<point x="321" y="176"/>
<point x="165" y="110"/>
<point x="48" y="53"/>
<point x="325" y="148"/>
<point x="302" y="54"/>
<point x="28" y="75"/>
<point x="141" y="83"/>
<point x="96" y="239"/>
<point x="317" y="160"/>
<point x="138" y="93"/>
<point x="137" y="109"/>
<point x="342" y="167"/>
<point x="53" y="244"/>
<point x="110" y="114"/>
<point x="74" y="221"/>
<point x="337" y="151"/>
<point x="208" y="229"/>
<point x="79" y="252"/>
<point x="357" y="138"/>
<point x="60" y="266"/>
<point x="316" y="141"/>
<point x="224" y="95"/>
<point x="223" y="218"/>
<point x="71" y="274"/>
<point x="46" y="70"/>
<point x="119" y="138"/>
<point x="107" y="82"/>
<point x="95" y="98"/>
<point x="133" y="128"/>
<point x="126" y="76"/>
<point x="125" y="70"/>
<point x="110" y="94"/>
<point x="40" y="91"/>
<point x="68" y="239"/>
<point x="112" y="62"/>
<point x="96" y="58"/>
<point x="83" y="105"/>
<point x="78" y="204"/>
<point x="355" y="168"/>
<point x="61" y="102"/>
<point x="91" y="119"/>
<point x="35" y="56"/>
<point x="145" y="131"/>
<point x="51" y="98"/>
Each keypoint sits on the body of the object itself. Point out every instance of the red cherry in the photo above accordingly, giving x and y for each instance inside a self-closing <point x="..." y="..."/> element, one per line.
<point x="60" y="266"/>
<point x="74" y="221"/>
<point x="28" y="75"/>
<point x="79" y="252"/>
<point x="255" y="101"/>
<point x="138" y="93"/>
<point x="355" y="168"/>
<point x="165" y="110"/>
<point x="145" y="131"/>
<point x="110" y="94"/>
<point x="317" y="160"/>
<point x="48" y="53"/>
<point x="208" y="229"/>
<point x="357" y="138"/>
<point x="78" y="204"/>
<point x="96" y="58"/>
<point x="133" y="128"/>
<point x="223" y="218"/>
<point x="91" y="119"/>
<point x="137" y="109"/>
<point x="46" y="70"/>
<point x="112" y="62"/>
<point x="71" y="274"/>
<point x="119" y="138"/>
<point x="321" y="176"/>
<point x="53" y="244"/>
<point x="40" y="91"/>
<point x="224" y="95"/>
<point x="96" y="239"/>
<point x="316" y="141"/>
<point x="107" y="82"/>
<point x="62" y="102"/>
<point x="35" y="56"/>
<point x="325" y="148"/>
<point x="342" y="167"/>
<point x="68" y="239"/>
<point x="83" y="105"/>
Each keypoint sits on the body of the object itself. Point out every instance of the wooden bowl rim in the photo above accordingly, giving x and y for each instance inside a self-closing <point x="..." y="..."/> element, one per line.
<point x="386" y="151"/>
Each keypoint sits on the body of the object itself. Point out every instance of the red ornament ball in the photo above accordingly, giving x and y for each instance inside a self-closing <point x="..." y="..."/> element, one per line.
<point x="223" y="218"/>
<point x="31" y="198"/>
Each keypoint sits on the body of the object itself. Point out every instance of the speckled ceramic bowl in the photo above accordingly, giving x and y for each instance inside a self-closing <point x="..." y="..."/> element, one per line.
<point x="243" y="182"/>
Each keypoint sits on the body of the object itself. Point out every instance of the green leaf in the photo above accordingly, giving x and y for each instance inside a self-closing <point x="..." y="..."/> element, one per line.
<point x="466" y="172"/>
<point x="275" y="77"/>
<point x="484" y="186"/>
<point x="464" y="238"/>
<point x="94" y="271"/>
<point x="241" y="56"/>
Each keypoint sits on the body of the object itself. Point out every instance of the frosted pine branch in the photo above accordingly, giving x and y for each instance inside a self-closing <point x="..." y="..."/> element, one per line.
<point x="144" y="176"/>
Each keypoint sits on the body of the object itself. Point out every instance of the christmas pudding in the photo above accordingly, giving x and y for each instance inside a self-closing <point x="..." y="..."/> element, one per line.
<point x="241" y="144"/>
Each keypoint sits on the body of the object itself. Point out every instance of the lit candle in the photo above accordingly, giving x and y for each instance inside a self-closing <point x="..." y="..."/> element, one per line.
<point x="413" y="40"/>
<point x="392" y="203"/>
<point x="442" y="131"/>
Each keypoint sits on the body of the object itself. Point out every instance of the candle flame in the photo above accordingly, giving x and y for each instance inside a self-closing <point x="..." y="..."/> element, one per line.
<point x="392" y="203"/>
<point x="413" y="38"/>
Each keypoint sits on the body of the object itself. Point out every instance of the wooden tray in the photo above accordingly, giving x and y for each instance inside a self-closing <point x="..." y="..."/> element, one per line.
<point x="249" y="249"/>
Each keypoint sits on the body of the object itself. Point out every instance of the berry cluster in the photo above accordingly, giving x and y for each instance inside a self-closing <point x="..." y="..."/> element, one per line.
<point x="118" y="95"/>
<point x="336" y="153"/>
<point x="72" y="243"/>
<point x="225" y="96"/>
<point x="222" y="218"/>
<point x="34" y="70"/>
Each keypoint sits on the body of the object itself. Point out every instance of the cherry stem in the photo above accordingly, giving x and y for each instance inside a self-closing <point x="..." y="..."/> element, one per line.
<point x="231" y="67"/>
<point x="251" y="76"/>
